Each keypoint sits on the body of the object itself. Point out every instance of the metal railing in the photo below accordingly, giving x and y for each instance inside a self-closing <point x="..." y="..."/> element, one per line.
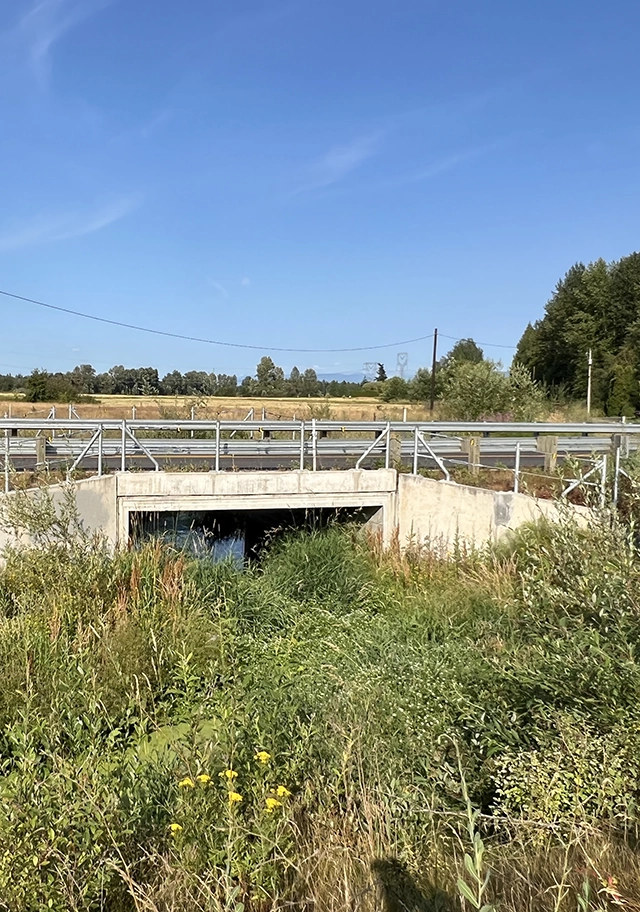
<point x="75" y="440"/>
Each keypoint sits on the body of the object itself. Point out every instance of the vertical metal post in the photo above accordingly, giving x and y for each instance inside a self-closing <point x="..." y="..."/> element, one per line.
<point x="516" y="476"/>
<point x="301" y="446"/>
<point x="616" y="474"/>
<point x="7" y="446"/>
<point x="387" y="450"/>
<point x="100" y="451"/>
<point x="434" y="365"/>
<point x="133" y="412"/>
<point x="415" y="450"/>
<point x="70" y="411"/>
<point x="314" y="444"/>
<point x="193" y="415"/>
<point x="53" y="415"/>
<point x="404" y="414"/>
<point x="217" y="446"/>
<point x="589" y="365"/>
<point x="264" y="413"/>
<point x="123" y="457"/>
<point x="603" y="481"/>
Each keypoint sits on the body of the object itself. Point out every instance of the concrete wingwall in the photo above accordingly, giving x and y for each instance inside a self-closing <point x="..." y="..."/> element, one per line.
<point x="416" y="510"/>
<point x="445" y="513"/>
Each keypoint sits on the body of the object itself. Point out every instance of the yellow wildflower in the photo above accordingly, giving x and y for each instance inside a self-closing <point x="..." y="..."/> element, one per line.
<point x="187" y="782"/>
<point x="229" y="774"/>
<point x="175" y="827"/>
<point x="203" y="778"/>
<point x="234" y="798"/>
<point x="263" y="756"/>
<point x="283" y="792"/>
<point x="272" y="804"/>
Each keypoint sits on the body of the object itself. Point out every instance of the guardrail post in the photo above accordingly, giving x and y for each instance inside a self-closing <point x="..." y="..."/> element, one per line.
<point x="603" y="481"/>
<point x="616" y="442"/>
<point x="387" y="449"/>
<point x="301" y="446"/>
<point x="100" y="451"/>
<point x="471" y="446"/>
<point x="415" y="450"/>
<point x="314" y="445"/>
<point x="516" y="475"/>
<point x="7" y="457"/>
<point x="548" y="446"/>
<point x="217" y="446"/>
<point x="41" y="451"/>
<point x="123" y="455"/>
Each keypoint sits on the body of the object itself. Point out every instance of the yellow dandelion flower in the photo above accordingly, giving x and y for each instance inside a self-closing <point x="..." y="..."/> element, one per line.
<point x="186" y="783"/>
<point x="283" y="792"/>
<point x="203" y="778"/>
<point x="234" y="798"/>
<point x="175" y="827"/>
<point x="272" y="804"/>
<point x="263" y="756"/>
<point x="229" y="774"/>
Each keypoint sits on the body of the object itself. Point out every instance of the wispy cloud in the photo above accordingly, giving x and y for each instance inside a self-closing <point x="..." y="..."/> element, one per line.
<point x="219" y="287"/>
<point x="48" y="229"/>
<point x="245" y="282"/>
<point x="45" y="23"/>
<point x="338" y="162"/>
<point x="442" y="165"/>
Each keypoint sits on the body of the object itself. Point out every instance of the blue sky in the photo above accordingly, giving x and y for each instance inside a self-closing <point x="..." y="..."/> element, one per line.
<point x="306" y="173"/>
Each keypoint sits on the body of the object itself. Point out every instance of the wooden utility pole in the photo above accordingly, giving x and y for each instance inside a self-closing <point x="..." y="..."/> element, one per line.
<point x="433" y="370"/>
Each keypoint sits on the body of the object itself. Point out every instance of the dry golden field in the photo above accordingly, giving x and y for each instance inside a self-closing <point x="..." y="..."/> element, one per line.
<point x="229" y="409"/>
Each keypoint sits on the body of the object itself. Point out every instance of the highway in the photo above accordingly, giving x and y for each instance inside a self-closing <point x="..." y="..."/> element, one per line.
<point x="218" y="445"/>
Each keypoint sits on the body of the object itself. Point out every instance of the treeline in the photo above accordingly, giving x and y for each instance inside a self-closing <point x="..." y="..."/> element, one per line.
<point x="466" y="383"/>
<point x="594" y="308"/>
<point x="269" y="380"/>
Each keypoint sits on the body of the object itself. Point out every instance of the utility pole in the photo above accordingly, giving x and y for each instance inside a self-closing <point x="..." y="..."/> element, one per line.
<point x="589" y="362"/>
<point x="433" y="370"/>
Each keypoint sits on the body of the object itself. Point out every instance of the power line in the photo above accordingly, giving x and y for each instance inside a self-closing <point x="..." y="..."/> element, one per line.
<point x="488" y="344"/>
<point x="171" y="335"/>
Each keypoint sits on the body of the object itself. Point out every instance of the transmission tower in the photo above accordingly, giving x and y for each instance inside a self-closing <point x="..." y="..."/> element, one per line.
<point x="401" y="364"/>
<point x="370" y="370"/>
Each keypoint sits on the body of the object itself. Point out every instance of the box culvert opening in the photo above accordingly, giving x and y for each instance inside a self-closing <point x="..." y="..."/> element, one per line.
<point x="239" y="534"/>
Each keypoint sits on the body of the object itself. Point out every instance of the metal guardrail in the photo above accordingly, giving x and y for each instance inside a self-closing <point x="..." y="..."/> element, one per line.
<point x="302" y="443"/>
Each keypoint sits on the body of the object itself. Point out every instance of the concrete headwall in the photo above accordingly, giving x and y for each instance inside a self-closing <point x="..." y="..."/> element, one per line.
<point x="418" y="510"/>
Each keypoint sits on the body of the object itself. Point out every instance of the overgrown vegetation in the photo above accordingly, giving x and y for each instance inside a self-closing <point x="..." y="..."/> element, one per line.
<point x="336" y="729"/>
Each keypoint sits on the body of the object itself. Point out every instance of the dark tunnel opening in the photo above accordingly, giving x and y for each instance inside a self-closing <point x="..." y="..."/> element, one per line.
<point x="238" y="534"/>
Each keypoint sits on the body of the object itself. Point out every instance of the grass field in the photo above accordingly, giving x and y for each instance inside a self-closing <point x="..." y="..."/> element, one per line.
<point x="231" y="409"/>
<point x="337" y="729"/>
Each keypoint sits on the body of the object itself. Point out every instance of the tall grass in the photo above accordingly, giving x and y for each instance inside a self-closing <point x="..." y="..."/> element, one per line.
<point x="338" y="728"/>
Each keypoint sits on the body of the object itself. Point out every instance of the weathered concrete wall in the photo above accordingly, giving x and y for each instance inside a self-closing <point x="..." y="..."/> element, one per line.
<point x="417" y="509"/>
<point x="443" y="513"/>
<point x="210" y="491"/>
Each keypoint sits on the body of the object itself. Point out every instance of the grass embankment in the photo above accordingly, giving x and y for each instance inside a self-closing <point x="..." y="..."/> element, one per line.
<point x="183" y="736"/>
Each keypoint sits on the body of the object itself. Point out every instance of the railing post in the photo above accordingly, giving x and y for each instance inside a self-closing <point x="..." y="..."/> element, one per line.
<point x="616" y="474"/>
<point x="7" y="452"/>
<point x="387" y="450"/>
<point x="301" y="446"/>
<point x="100" y="451"/>
<point x="123" y="455"/>
<point x="217" y="446"/>
<point x="314" y="445"/>
<point x="516" y="476"/>
<point x="603" y="481"/>
<point x="415" y="450"/>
